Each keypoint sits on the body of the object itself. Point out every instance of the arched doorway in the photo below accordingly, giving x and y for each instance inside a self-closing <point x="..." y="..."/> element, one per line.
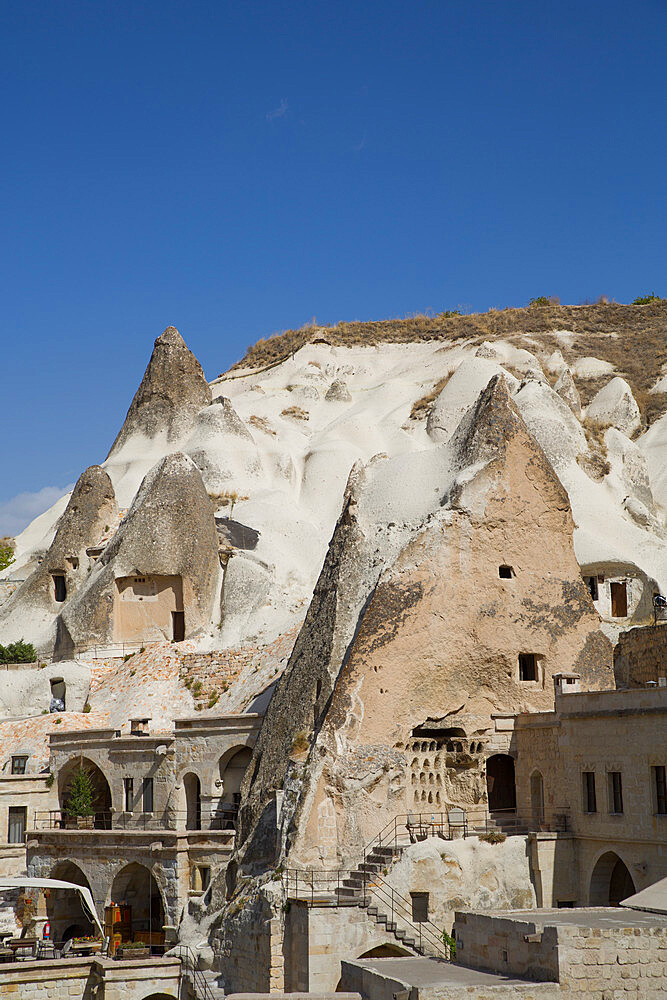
<point x="135" y="886"/>
<point x="611" y="882"/>
<point x="232" y="767"/>
<point x="500" y="785"/>
<point x="537" y="798"/>
<point x="101" y="793"/>
<point x="386" y="950"/>
<point x="192" y="788"/>
<point x="64" y="907"/>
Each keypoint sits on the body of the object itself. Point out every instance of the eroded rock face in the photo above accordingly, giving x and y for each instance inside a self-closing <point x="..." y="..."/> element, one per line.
<point x="419" y="620"/>
<point x="89" y="515"/>
<point x="167" y="541"/>
<point x="615" y="406"/>
<point x="568" y="391"/>
<point x="171" y="393"/>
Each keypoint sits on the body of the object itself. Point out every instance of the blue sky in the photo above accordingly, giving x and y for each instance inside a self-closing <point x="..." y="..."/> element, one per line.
<point x="238" y="168"/>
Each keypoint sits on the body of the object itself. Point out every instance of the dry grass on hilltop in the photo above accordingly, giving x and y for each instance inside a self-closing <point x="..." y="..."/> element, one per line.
<point x="633" y="338"/>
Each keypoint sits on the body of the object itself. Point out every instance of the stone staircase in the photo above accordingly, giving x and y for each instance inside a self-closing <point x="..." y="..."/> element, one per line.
<point x="362" y="888"/>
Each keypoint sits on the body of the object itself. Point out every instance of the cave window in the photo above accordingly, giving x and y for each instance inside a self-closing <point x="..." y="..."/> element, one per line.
<point x="58" y="695"/>
<point x="59" y="588"/>
<point x="592" y="584"/>
<point x="178" y="625"/>
<point x="528" y="667"/>
<point x="619" y="600"/>
<point x="72" y="562"/>
<point x="505" y="572"/>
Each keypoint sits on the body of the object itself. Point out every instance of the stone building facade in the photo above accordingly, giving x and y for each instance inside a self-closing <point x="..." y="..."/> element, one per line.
<point x="165" y="810"/>
<point x="599" y="761"/>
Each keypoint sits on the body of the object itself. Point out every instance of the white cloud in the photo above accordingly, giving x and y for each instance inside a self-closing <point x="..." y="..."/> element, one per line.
<point x="17" y="513"/>
<point x="279" y="112"/>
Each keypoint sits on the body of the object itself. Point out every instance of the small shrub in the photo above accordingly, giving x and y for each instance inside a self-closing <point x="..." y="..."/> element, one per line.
<point x="450" y="944"/>
<point x="262" y="424"/>
<point x="544" y="300"/>
<point x="645" y="300"/>
<point x="197" y="688"/>
<point x="213" y="699"/>
<point x="86" y="707"/>
<point x="493" y="837"/>
<point x="49" y="781"/>
<point x="127" y="657"/>
<point x="295" y="413"/>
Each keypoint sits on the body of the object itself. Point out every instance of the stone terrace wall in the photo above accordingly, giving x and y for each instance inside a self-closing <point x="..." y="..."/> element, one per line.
<point x="641" y="655"/>
<point x="602" y="962"/>
<point x="83" y="978"/>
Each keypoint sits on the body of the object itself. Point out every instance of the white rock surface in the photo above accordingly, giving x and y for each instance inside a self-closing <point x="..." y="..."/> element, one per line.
<point x="615" y="406"/>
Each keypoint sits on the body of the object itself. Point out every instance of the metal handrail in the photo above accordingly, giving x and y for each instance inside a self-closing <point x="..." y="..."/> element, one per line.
<point x="217" y="821"/>
<point x="330" y="881"/>
<point x="200" y="984"/>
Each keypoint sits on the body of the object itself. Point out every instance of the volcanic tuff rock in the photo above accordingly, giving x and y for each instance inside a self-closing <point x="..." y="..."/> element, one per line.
<point x="172" y="391"/>
<point x="90" y="512"/>
<point x="410" y="621"/>
<point x="168" y="531"/>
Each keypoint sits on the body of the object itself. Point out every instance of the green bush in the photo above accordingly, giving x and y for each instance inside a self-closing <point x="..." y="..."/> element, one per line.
<point x="18" y="652"/>
<point x="6" y="554"/>
<point x="80" y="795"/>
<point x="644" y="300"/>
<point x="544" y="300"/>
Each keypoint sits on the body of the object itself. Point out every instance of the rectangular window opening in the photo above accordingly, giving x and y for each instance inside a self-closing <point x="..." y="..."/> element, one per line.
<point x="17" y="824"/>
<point x="128" y="790"/>
<point x="505" y="572"/>
<point x="59" y="588"/>
<point x="615" y="792"/>
<point x="592" y="584"/>
<point x="660" y="789"/>
<point x="19" y="765"/>
<point x="528" y="670"/>
<point x="178" y="626"/>
<point x="619" y="600"/>
<point x="588" y="783"/>
<point x="419" y="907"/>
<point x="147" y="795"/>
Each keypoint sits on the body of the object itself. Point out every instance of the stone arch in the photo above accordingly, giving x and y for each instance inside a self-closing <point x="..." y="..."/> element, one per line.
<point x="386" y="950"/>
<point x="611" y="881"/>
<point x="537" y="798"/>
<point x="65" y="908"/>
<point x="160" y="996"/>
<point x="102" y="801"/>
<point x="500" y="782"/>
<point x="232" y="767"/>
<point x="134" y="885"/>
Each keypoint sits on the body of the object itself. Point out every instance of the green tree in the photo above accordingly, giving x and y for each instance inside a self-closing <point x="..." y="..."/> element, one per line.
<point x="80" y="795"/>
<point x="18" y="652"/>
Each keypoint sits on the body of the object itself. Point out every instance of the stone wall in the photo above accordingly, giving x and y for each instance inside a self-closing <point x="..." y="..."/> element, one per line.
<point x="249" y="946"/>
<point x="81" y="978"/>
<point x="641" y="655"/>
<point x="603" y="960"/>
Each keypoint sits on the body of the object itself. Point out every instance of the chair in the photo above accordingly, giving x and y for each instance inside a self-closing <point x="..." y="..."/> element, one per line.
<point x="457" y="822"/>
<point x="66" y="948"/>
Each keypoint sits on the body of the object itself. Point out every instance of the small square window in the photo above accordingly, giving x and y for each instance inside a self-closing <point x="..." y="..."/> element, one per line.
<point x="528" y="667"/>
<point x="19" y="765"/>
<point x="505" y="572"/>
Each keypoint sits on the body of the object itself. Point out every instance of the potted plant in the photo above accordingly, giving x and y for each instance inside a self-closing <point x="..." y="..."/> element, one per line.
<point x="80" y="805"/>
<point x="87" y="945"/>
<point x="132" y="949"/>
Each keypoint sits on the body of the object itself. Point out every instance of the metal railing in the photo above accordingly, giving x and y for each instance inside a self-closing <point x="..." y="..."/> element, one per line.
<point x="217" y="821"/>
<point x="324" y="887"/>
<point x="189" y="963"/>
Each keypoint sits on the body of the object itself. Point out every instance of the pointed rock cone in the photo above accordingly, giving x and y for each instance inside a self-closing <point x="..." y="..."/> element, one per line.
<point x="172" y="391"/>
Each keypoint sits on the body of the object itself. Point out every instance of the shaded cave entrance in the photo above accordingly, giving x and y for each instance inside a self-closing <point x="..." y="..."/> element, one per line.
<point x="500" y="783"/>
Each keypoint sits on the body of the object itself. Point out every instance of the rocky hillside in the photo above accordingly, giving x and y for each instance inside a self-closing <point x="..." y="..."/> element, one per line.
<point x="275" y="440"/>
